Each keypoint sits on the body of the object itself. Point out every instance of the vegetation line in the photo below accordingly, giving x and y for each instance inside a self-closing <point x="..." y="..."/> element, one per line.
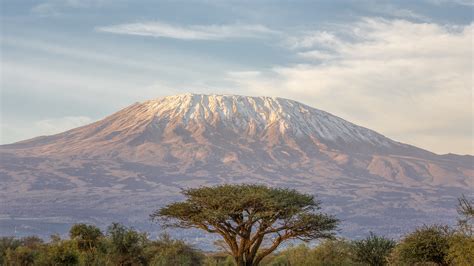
<point x="252" y="221"/>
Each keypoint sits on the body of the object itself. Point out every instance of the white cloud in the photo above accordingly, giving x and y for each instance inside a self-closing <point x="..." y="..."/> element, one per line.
<point x="410" y="81"/>
<point x="192" y="32"/>
<point x="312" y="38"/>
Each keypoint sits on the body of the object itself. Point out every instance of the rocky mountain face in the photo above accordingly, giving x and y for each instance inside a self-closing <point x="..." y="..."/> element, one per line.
<point x="123" y="167"/>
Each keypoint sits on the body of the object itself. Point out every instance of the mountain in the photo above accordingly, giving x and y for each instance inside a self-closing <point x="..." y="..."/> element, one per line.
<point x="123" y="167"/>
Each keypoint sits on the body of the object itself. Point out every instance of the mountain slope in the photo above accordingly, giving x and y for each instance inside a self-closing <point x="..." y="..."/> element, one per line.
<point x="143" y="154"/>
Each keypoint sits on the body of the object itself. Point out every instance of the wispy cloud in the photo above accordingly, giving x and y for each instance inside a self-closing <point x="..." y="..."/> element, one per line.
<point x="74" y="53"/>
<point x="396" y="12"/>
<point x="191" y="32"/>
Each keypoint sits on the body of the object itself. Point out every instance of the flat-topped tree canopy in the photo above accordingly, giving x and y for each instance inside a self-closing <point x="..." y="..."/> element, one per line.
<point x="248" y="215"/>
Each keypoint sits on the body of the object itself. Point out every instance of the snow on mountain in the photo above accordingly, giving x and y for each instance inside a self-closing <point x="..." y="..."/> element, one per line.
<point x="143" y="154"/>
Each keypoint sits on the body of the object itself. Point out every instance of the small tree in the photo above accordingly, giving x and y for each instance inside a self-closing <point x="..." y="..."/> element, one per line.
<point x="373" y="250"/>
<point x="87" y="236"/>
<point x="246" y="216"/>
<point x="126" y="245"/>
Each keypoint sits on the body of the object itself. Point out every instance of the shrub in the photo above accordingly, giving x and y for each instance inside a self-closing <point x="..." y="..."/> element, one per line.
<point x="125" y="245"/>
<point x="428" y="244"/>
<point x="461" y="249"/>
<point x="7" y="243"/>
<point x="22" y="255"/>
<point x="333" y="252"/>
<point x="86" y="236"/>
<point x="63" y="253"/>
<point x="373" y="250"/>
<point x="329" y="252"/>
<point x="166" y="251"/>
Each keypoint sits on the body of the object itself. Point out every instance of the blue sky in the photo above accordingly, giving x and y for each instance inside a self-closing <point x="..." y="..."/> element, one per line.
<point x="402" y="68"/>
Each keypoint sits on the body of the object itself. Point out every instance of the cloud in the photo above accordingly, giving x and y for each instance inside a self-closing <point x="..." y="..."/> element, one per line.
<point x="410" y="81"/>
<point x="396" y="12"/>
<point x="311" y="38"/>
<point x="192" y="32"/>
<point x="74" y="53"/>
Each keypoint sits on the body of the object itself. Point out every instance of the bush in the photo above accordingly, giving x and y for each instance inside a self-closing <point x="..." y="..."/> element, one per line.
<point x="125" y="245"/>
<point x="373" y="250"/>
<point x="20" y="256"/>
<point x="428" y="244"/>
<point x="213" y="260"/>
<point x="329" y="252"/>
<point x="87" y="236"/>
<point x="61" y="253"/>
<point x="297" y="255"/>
<point x="7" y="243"/>
<point x="166" y="251"/>
<point x="461" y="249"/>
<point x="333" y="252"/>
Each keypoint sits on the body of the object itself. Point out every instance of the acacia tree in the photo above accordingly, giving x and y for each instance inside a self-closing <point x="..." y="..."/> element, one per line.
<point x="249" y="216"/>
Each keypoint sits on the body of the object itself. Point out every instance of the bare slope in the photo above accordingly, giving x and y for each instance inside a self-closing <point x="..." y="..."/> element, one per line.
<point x="143" y="154"/>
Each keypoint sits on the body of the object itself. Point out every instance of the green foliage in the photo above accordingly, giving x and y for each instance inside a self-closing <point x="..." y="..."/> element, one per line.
<point x="89" y="247"/>
<point x="63" y="253"/>
<point x="20" y="256"/>
<point x="86" y="236"/>
<point x="19" y="251"/>
<point x="256" y="211"/>
<point x="32" y="241"/>
<point x="166" y="251"/>
<point x="297" y="255"/>
<point x="334" y="252"/>
<point x="461" y="249"/>
<point x="428" y="244"/>
<point x="7" y="243"/>
<point x="126" y="245"/>
<point x="373" y="250"/>
<point x="329" y="252"/>
<point x="246" y="216"/>
<point x="213" y="260"/>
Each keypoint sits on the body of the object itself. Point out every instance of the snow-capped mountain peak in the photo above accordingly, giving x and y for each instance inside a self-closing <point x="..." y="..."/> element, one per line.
<point x="242" y="112"/>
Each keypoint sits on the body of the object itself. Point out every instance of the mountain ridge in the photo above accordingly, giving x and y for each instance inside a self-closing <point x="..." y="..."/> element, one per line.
<point x="282" y="118"/>
<point x="145" y="153"/>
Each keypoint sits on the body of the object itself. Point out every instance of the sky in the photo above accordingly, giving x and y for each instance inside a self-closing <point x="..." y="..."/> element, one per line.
<point x="401" y="68"/>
